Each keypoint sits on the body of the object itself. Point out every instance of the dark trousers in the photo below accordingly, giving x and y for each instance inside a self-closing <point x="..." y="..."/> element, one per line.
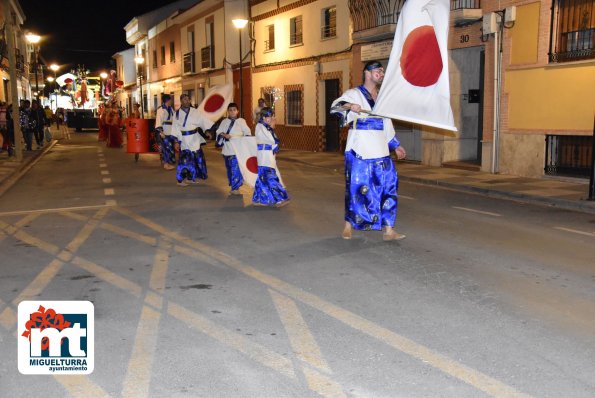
<point x="28" y="136"/>
<point x="39" y="136"/>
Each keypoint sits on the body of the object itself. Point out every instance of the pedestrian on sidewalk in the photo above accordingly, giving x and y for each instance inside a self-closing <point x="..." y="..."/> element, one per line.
<point x="370" y="174"/>
<point x="268" y="190"/>
<point x="163" y="124"/>
<point x="230" y="127"/>
<point x="24" y="120"/>
<point x="190" y="128"/>
<point x="37" y="122"/>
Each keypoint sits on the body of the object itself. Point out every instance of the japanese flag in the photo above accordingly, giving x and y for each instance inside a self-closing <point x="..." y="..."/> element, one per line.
<point x="245" y="149"/>
<point x="416" y="87"/>
<point x="214" y="105"/>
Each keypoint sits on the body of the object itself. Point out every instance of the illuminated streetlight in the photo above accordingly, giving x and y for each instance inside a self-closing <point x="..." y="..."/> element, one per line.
<point x="103" y="75"/>
<point x="240" y="24"/>
<point x="140" y="60"/>
<point x="50" y="79"/>
<point x="34" y="39"/>
<point x="54" y="67"/>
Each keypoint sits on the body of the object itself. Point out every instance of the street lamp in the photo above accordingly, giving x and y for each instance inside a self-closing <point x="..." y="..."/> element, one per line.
<point x="51" y="80"/>
<point x="34" y="39"/>
<point x="240" y="24"/>
<point x="140" y="60"/>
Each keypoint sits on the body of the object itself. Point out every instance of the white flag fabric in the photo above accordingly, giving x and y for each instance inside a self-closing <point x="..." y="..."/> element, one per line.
<point x="214" y="105"/>
<point x="416" y="86"/>
<point x="245" y="150"/>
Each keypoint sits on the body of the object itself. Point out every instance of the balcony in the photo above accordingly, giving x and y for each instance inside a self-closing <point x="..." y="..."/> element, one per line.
<point x="269" y="45"/>
<point x="374" y="20"/>
<point x="207" y="57"/>
<point x="189" y="63"/>
<point x="465" y="11"/>
<point x="328" y="31"/>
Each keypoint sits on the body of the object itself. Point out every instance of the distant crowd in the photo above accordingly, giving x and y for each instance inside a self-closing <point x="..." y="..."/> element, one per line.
<point x="35" y="123"/>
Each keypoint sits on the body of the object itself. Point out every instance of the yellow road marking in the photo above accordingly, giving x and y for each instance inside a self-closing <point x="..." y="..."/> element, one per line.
<point x="301" y="339"/>
<point x="159" y="271"/>
<point x="8" y="318"/>
<point x="108" y="276"/>
<point x="322" y="384"/>
<point x="138" y="376"/>
<point x="109" y="191"/>
<point x="55" y="210"/>
<point x="81" y="386"/>
<point x="39" y="283"/>
<point x="234" y="340"/>
<point x="468" y="375"/>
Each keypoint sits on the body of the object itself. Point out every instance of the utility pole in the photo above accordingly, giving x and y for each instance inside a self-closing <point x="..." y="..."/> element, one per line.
<point x="12" y="70"/>
<point x="592" y="179"/>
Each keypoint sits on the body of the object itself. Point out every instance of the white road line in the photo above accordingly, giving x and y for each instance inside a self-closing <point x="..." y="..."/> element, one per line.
<point x="406" y="197"/>
<point x="109" y="191"/>
<point x="103" y="165"/>
<point x="487" y="213"/>
<point x="105" y="172"/>
<point x="107" y="180"/>
<point x="336" y="183"/>
<point x="574" y="231"/>
<point x="59" y="209"/>
<point x="111" y="202"/>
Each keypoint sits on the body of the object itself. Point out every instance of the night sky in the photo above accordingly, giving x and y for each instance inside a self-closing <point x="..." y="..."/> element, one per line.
<point x="76" y="32"/>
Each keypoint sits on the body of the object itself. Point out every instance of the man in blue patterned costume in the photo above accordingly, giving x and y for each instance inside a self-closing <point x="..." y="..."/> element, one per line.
<point x="163" y="123"/>
<point x="189" y="127"/>
<point x="370" y="175"/>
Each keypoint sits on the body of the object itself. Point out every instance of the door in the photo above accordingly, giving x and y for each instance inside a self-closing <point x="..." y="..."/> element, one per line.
<point x="331" y="128"/>
<point x="467" y="94"/>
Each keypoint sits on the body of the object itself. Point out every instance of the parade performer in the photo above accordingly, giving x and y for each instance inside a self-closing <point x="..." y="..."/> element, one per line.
<point x="268" y="190"/>
<point x="370" y="174"/>
<point x="114" y="137"/>
<point x="189" y="127"/>
<point x="163" y="123"/>
<point x="230" y="127"/>
<point x="102" y="123"/>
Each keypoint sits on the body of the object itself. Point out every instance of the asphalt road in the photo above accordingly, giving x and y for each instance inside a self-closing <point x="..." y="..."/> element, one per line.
<point x="199" y="294"/>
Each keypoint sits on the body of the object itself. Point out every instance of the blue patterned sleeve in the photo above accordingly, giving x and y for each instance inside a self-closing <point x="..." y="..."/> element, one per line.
<point x="394" y="143"/>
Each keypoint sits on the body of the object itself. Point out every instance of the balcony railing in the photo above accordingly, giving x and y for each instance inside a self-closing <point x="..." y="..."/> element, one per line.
<point x="207" y="57"/>
<point x="573" y="30"/>
<point x="328" y="31"/>
<point x="568" y="155"/>
<point x="269" y="45"/>
<point x="368" y="14"/>
<point x="189" y="62"/>
<point x="465" y="4"/>
<point x="295" y="39"/>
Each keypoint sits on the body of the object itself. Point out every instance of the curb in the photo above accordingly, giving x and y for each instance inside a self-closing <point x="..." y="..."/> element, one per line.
<point x="25" y="167"/>
<point x="582" y="206"/>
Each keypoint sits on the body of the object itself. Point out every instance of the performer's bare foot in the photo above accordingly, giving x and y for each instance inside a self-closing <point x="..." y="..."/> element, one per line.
<point x="192" y="182"/>
<point x="182" y="184"/>
<point x="390" y="234"/>
<point x="346" y="231"/>
<point x="168" y="166"/>
<point x="235" y="192"/>
<point x="283" y="203"/>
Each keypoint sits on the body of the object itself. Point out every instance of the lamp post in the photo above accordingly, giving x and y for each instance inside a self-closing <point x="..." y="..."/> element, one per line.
<point x="51" y="80"/>
<point x="240" y="24"/>
<point x="140" y="60"/>
<point x="54" y="68"/>
<point x="103" y="76"/>
<point x="34" y="39"/>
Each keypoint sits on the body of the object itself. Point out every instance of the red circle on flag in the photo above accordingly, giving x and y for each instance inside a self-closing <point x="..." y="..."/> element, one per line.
<point x="421" y="61"/>
<point x="213" y="103"/>
<point x="252" y="164"/>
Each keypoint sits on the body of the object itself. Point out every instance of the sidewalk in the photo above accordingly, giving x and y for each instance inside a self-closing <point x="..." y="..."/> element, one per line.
<point x="11" y="170"/>
<point x="568" y="194"/>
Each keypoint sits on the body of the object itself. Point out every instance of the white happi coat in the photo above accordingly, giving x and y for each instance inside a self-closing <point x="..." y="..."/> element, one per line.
<point x="187" y="122"/>
<point x="368" y="144"/>
<point x="239" y="129"/>
<point x="265" y="157"/>
<point x="164" y="120"/>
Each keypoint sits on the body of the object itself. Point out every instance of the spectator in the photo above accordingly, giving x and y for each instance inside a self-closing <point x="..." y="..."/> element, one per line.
<point x="135" y="114"/>
<point x="24" y="121"/>
<point x="261" y="104"/>
<point x="37" y="122"/>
